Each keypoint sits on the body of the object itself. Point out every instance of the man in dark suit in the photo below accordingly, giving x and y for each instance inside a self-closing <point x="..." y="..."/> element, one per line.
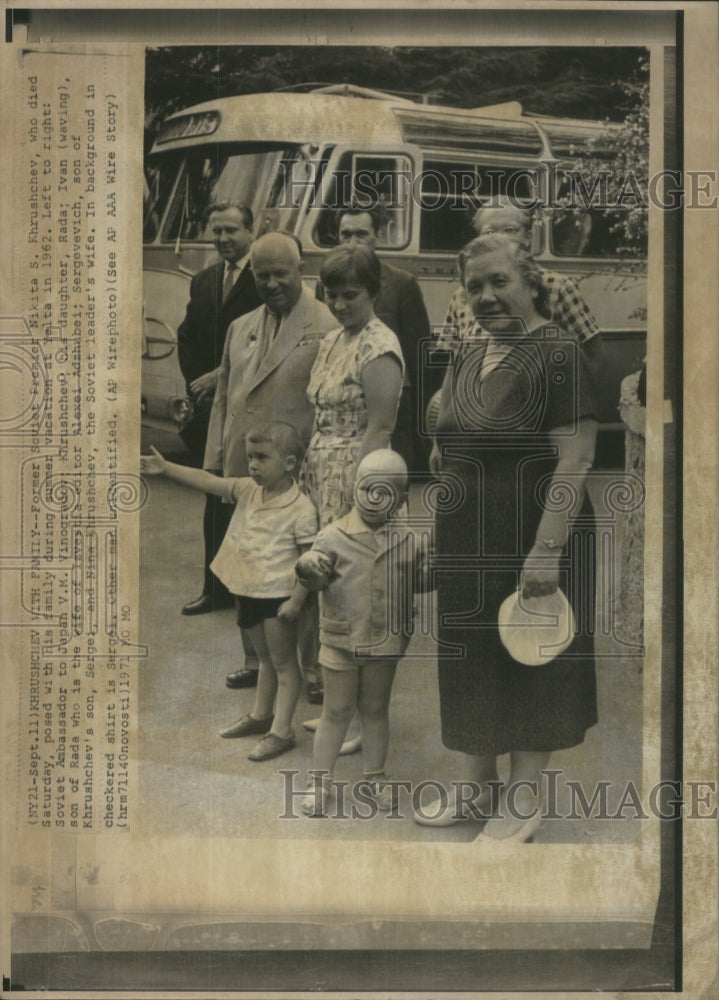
<point x="218" y="295"/>
<point x="401" y="307"/>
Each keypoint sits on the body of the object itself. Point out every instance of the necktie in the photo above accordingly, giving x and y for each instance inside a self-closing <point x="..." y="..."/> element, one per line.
<point x="229" y="281"/>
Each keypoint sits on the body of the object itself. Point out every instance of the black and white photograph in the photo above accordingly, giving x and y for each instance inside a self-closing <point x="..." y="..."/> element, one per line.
<point x="354" y="395"/>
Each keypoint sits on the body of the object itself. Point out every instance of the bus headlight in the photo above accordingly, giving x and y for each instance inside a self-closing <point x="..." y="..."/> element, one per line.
<point x="181" y="410"/>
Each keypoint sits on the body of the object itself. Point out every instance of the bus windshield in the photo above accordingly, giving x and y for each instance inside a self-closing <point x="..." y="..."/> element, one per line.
<point x="181" y="186"/>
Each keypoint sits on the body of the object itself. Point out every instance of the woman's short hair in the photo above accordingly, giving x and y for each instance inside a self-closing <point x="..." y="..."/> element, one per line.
<point x="522" y="260"/>
<point x="499" y="202"/>
<point x="352" y="263"/>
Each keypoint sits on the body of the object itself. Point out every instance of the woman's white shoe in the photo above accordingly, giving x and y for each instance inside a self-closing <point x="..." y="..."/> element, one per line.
<point x="478" y="809"/>
<point x="525" y="832"/>
<point x="352" y="745"/>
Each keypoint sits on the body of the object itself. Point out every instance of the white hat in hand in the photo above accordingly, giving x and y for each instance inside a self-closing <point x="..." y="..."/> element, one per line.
<point x="536" y="629"/>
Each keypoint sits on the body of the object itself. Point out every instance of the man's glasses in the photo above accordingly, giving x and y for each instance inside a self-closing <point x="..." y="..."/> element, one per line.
<point x="507" y="230"/>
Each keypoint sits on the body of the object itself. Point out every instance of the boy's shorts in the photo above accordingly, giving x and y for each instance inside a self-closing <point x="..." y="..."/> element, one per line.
<point x="333" y="658"/>
<point x="252" y="611"/>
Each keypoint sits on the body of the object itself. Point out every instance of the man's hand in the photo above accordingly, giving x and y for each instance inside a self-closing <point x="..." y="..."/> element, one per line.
<point x="203" y="388"/>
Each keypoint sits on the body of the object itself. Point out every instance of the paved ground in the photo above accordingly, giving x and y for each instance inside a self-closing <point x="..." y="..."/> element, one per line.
<point x="194" y="782"/>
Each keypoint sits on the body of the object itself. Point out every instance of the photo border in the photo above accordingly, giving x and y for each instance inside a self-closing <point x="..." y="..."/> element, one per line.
<point x="630" y="970"/>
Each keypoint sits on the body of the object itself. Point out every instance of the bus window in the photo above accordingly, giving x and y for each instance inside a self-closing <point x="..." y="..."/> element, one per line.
<point x="588" y="233"/>
<point x="451" y="193"/>
<point x="262" y="179"/>
<point x="296" y="174"/>
<point x="160" y="175"/>
<point x="582" y="230"/>
<point x="385" y="178"/>
<point x="364" y="178"/>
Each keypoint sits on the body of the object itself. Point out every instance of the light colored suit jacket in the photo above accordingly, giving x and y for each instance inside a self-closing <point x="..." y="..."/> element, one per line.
<point x="263" y="379"/>
<point x="366" y="594"/>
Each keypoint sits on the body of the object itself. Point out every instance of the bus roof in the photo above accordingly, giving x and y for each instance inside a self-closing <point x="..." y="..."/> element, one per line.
<point x="368" y="119"/>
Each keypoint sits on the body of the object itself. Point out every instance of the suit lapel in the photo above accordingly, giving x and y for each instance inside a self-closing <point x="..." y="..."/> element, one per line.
<point x="394" y="538"/>
<point x="218" y="276"/>
<point x="290" y="334"/>
<point x="364" y="538"/>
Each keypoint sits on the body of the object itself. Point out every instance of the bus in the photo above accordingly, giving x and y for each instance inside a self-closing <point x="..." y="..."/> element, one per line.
<point x="295" y="158"/>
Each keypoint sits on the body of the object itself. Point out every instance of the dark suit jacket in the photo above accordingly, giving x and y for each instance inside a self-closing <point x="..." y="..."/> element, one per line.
<point x="401" y="307"/>
<point x="201" y="335"/>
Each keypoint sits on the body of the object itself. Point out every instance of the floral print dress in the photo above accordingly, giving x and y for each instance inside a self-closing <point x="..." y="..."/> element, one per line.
<point x="335" y="390"/>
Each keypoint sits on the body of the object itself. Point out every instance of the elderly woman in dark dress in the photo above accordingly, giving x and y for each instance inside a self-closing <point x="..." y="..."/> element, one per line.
<point x="515" y="438"/>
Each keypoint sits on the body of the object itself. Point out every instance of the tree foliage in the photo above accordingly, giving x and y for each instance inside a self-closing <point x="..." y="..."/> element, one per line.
<point x="621" y="157"/>
<point x="599" y="83"/>
<point x="629" y="171"/>
<point x="566" y="82"/>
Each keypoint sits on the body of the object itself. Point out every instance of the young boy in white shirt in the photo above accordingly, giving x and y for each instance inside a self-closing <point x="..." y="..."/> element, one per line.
<point x="272" y="525"/>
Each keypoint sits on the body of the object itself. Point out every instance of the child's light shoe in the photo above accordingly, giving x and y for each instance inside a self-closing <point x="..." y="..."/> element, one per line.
<point x="271" y="746"/>
<point x="377" y="788"/>
<point x="314" y="804"/>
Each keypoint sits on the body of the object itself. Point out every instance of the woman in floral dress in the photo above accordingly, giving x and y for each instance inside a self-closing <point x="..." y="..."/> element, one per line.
<point x="355" y="383"/>
<point x="355" y="387"/>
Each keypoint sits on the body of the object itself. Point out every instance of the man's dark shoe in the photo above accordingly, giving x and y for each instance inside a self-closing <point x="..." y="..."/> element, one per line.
<point x="315" y="692"/>
<point x="242" y="679"/>
<point x="205" y="603"/>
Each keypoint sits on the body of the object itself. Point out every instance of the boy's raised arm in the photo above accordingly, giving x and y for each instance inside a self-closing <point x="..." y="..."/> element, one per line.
<point x="198" y="479"/>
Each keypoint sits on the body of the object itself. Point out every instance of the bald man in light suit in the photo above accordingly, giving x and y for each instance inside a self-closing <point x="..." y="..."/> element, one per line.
<point x="266" y="364"/>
